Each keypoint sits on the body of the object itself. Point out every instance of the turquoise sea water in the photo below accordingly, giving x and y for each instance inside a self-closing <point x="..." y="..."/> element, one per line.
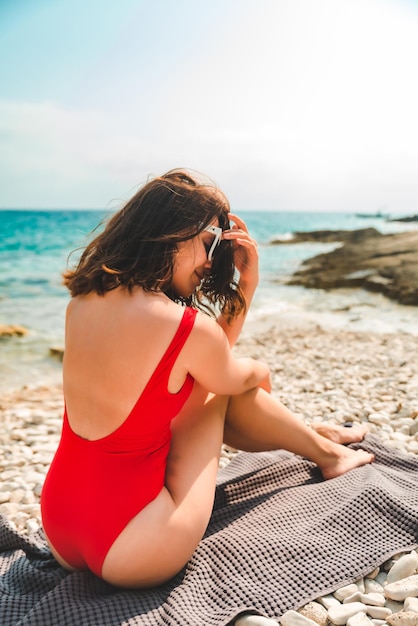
<point x="35" y="245"/>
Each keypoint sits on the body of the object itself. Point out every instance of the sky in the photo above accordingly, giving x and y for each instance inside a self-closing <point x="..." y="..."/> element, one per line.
<point x="292" y="105"/>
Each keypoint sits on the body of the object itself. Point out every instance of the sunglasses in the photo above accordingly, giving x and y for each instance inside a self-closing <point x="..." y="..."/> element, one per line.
<point x="216" y="231"/>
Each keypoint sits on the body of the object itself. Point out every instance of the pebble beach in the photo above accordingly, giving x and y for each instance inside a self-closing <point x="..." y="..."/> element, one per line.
<point x="321" y="374"/>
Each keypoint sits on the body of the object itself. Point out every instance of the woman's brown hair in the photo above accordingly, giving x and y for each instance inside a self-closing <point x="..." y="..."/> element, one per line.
<point x="138" y="245"/>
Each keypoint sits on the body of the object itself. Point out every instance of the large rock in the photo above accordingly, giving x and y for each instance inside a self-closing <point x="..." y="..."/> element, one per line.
<point x="384" y="263"/>
<point x="410" y="218"/>
<point x="328" y="236"/>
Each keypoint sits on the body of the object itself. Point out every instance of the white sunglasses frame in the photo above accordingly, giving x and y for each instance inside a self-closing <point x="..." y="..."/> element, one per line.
<point x="217" y="231"/>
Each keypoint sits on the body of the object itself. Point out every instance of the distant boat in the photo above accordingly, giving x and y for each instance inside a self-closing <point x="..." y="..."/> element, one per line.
<point x="378" y="214"/>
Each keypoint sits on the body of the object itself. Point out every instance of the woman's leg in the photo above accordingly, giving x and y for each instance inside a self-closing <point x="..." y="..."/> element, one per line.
<point x="159" y="541"/>
<point x="256" y="421"/>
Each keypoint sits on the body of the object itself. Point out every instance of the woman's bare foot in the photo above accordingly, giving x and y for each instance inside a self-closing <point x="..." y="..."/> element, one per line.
<point x="340" y="434"/>
<point x="345" y="460"/>
<point x="340" y="459"/>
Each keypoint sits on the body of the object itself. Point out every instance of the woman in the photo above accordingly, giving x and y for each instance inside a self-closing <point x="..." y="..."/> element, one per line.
<point x="152" y="388"/>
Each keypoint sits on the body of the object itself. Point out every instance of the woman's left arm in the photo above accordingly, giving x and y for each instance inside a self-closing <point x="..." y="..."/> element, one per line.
<point x="246" y="262"/>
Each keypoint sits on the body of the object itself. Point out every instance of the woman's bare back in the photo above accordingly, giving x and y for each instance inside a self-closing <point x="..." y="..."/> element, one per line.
<point x="109" y="360"/>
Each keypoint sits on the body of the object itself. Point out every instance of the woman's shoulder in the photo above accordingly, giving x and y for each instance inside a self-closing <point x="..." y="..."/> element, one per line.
<point x="206" y="328"/>
<point x="126" y="307"/>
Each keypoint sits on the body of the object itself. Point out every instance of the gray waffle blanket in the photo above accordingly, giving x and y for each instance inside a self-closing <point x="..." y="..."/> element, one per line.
<point x="279" y="536"/>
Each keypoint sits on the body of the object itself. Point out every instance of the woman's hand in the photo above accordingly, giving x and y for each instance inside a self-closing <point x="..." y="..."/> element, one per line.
<point x="246" y="262"/>
<point x="245" y="252"/>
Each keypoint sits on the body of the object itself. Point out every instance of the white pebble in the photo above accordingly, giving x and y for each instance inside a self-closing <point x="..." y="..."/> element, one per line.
<point x="372" y="586"/>
<point x="375" y="599"/>
<point x="403" y="567"/>
<point x="402" y="589"/>
<point x="378" y="612"/>
<point x="339" y="615"/>
<point x="328" y="601"/>
<point x="359" y="619"/>
<point x="32" y="526"/>
<point x="293" y="618"/>
<point x="355" y="597"/>
<point x="379" y="418"/>
<point x="345" y="592"/>
<point x="411" y="604"/>
<point x="28" y="497"/>
<point x="412" y="446"/>
<point x="4" y="496"/>
<point x="9" y="508"/>
<point x="255" y="620"/>
<point x="400" y="437"/>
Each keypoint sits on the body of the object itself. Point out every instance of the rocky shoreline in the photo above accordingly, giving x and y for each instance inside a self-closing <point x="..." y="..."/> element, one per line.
<point x="386" y="264"/>
<point x="320" y="375"/>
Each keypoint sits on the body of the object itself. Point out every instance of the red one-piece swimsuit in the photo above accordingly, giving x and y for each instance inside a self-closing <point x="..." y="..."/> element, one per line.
<point x="94" y="488"/>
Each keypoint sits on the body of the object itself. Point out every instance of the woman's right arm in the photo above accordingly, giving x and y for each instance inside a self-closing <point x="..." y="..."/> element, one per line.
<point x="209" y="360"/>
